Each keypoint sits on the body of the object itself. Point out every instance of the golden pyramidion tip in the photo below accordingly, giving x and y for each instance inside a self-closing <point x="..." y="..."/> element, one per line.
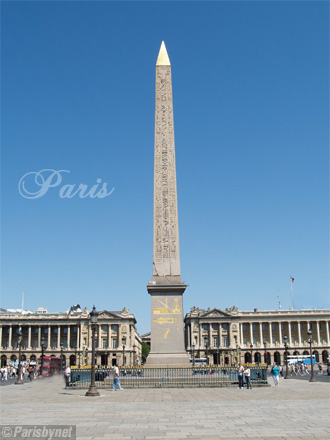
<point x="163" y="59"/>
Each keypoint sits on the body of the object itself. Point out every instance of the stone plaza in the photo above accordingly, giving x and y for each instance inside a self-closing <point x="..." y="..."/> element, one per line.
<point x="297" y="409"/>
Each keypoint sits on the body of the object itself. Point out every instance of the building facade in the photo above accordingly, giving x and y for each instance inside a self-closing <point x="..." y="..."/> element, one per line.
<point x="255" y="336"/>
<point x="69" y="334"/>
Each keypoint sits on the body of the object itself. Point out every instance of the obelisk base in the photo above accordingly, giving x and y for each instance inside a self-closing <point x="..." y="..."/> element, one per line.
<point x="167" y="332"/>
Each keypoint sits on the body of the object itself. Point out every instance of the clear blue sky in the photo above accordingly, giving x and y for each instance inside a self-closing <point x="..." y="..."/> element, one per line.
<point x="251" y="117"/>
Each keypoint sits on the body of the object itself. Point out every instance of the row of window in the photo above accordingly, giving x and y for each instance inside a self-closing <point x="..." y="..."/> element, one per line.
<point x="114" y="329"/>
<point x="224" y="326"/>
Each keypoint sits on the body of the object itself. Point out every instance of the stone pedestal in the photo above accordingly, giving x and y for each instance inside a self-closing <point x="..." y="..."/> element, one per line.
<point x="167" y="331"/>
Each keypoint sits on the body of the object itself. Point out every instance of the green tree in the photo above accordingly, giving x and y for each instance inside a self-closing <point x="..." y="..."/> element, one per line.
<point x="145" y="351"/>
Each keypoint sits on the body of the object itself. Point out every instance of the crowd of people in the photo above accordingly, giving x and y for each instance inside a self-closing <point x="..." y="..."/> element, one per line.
<point x="11" y="372"/>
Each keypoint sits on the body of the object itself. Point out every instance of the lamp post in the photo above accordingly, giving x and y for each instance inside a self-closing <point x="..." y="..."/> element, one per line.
<point x="285" y="341"/>
<point x="61" y="345"/>
<point x="134" y="354"/>
<point x="92" y="391"/>
<point x="251" y="347"/>
<point x="265" y="356"/>
<point x="42" y="354"/>
<point x="237" y="353"/>
<point x="193" y="355"/>
<point x="206" y="343"/>
<point x="123" y="340"/>
<point x="19" y="380"/>
<point x="310" y="340"/>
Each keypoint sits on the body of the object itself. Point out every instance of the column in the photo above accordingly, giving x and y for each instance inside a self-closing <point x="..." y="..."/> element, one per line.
<point x="327" y="330"/>
<point x="68" y="337"/>
<point x="318" y="332"/>
<point x="241" y="334"/>
<point x="270" y="334"/>
<point x="58" y="336"/>
<point x="220" y="335"/>
<point x="29" y="337"/>
<point x="48" y="339"/>
<point x="261" y="334"/>
<point x="78" y="336"/>
<point x="299" y="333"/>
<point x="280" y="332"/>
<point x="289" y="335"/>
<point x="0" y="336"/>
<point x="251" y="332"/>
<point x="109" y="336"/>
<point x="99" y="339"/>
<point x="39" y="338"/>
<point x="10" y="336"/>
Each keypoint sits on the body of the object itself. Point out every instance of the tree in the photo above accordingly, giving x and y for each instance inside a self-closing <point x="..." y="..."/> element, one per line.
<point x="145" y="351"/>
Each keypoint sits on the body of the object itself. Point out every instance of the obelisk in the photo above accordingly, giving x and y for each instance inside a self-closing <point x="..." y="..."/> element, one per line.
<point x="166" y="288"/>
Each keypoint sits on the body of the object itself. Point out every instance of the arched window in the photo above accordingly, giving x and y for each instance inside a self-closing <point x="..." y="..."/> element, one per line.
<point x="13" y="357"/>
<point x="257" y="357"/>
<point x="277" y="358"/>
<point x="317" y="357"/>
<point x="296" y="353"/>
<point x="247" y="357"/>
<point x="23" y="357"/>
<point x="305" y="353"/>
<point x="325" y="356"/>
<point x="33" y="357"/>
<point x="268" y="360"/>
<point x="72" y="360"/>
<point x="3" y="360"/>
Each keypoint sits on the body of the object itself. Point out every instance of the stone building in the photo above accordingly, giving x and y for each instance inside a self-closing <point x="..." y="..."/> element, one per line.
<point x="257" y="336"/>
<point x="69" y="333"/>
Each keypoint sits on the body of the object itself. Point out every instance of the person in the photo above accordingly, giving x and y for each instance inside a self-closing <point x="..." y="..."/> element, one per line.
<point x="67" y="374"/>
<point x="116" y="381"/>
<point x="328" y="369"/>
<point x="247" y="374"/>
<point x="281" y="371"/>
<point x="31" y="372"/>
<point x="275" y="371"/>
<point x="320" y="368"/>
<point x="240" y="373"/>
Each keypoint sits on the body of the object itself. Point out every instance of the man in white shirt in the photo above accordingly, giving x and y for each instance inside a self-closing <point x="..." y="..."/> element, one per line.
<point x="116" y="381"/>
<point x="67" y="374"/>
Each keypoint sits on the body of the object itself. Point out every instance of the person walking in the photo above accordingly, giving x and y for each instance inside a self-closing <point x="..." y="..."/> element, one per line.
<point x="275" y="371"/>
<point x="67" y="374"/>
<point x="240" y="374"/>
<point x="247" y="374"/>
<point x="116" y="381"/>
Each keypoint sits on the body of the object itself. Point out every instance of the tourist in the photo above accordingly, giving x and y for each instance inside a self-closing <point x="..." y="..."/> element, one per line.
<point x="320" y="368"/>
<point x="67" y="374"/>
<point x="240" y="373"/>
<point x="247" y="374"/>
<point x="116" y="381"/>
<point x="275" y="371"/>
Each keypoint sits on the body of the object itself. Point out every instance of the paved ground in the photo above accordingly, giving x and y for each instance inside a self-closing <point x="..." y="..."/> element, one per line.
<point x="296" y="410"/>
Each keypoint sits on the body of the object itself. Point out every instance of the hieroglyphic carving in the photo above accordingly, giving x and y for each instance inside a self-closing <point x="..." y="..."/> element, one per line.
<point x="166" y="235"/>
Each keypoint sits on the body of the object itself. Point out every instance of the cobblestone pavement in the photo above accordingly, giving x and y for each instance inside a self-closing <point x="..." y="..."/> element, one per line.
<point x="295" y="410"/>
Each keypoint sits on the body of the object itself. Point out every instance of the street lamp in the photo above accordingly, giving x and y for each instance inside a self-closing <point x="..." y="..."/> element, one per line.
<point x="285" y="341"/>
<point x="19" y="380"/>
<point x="237" y="352"/>
<point x="92" y="391"/>
<point x="310" y="340"/>
<point x="61" y="346"/>
<point x="193" y="355"/>
<point x="123" y="340"/>
<point x="265" y="345"/>
<point x="43" y="341"/>
<point x="251" y="347"/>
<point x="206" y="343"/>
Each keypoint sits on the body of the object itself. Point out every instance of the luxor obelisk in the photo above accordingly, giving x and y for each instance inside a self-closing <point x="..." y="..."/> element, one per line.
<point x="166" y="287"/>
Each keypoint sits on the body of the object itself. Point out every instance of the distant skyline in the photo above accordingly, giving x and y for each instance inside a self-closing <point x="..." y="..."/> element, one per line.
<point x="251" y="121"/>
